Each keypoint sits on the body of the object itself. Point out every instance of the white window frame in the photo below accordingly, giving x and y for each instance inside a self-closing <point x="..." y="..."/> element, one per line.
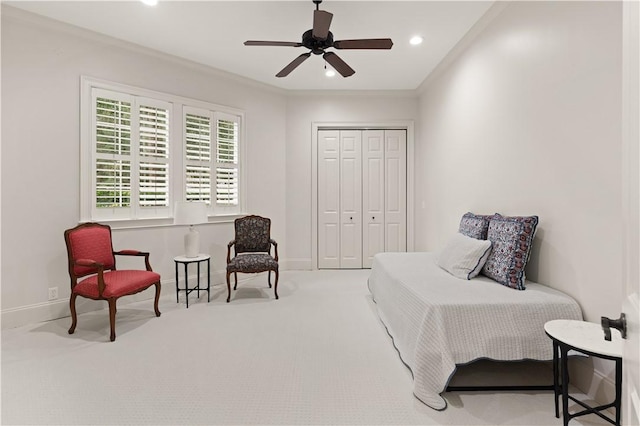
<point x="178" y="106"/>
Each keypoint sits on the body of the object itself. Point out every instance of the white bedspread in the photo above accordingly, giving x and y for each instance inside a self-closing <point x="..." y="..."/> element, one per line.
<point x="437" y="321"/>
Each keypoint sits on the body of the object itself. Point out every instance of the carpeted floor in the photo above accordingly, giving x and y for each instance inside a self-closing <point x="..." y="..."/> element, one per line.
<point x="319" y="355"/>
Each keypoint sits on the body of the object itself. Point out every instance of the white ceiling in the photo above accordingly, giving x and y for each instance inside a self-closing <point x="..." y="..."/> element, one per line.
<point x="212" y="33"/>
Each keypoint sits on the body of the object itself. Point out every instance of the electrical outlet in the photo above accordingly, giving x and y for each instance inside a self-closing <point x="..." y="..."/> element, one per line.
<point x="53" y="293"/>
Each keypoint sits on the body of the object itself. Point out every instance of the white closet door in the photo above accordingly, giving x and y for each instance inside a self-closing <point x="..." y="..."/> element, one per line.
<point x="395" y="195"/>
<point x="328" y="199"/>
<point x="350" y="199"/>
<point x="362" y="196"/>
<point x="373" y="206"/>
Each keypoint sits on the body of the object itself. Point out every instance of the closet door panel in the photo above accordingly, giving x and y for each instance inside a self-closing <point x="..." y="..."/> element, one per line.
<point x="373" y="205"/>
<point x="395" y="193"/>
<point x="350" y="199"/>
<point x="328" y="199"/>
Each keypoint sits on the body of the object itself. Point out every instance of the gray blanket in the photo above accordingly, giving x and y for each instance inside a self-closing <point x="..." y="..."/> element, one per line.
<point x="437" y="321"/>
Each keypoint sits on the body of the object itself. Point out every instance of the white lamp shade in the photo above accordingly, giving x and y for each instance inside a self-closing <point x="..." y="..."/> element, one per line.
<point x="190" y="213"/>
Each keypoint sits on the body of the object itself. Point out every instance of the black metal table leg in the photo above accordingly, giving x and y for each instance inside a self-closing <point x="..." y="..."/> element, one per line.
<point x="618" y="399"/>
<point x="208" y="278"/>
<point x="556" y="379"/>
<point x="177" y="289"/>
<point x="565" y="384"/>
<point x="198" y="287"/>
<point x="186" y="284"/>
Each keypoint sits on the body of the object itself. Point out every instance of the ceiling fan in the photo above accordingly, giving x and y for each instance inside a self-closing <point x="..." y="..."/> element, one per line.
<point x="318" y="39"/>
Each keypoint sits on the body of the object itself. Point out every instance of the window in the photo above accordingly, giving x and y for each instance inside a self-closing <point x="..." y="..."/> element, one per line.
<point x="143" y="151"/>
<point x="211" y="159"/>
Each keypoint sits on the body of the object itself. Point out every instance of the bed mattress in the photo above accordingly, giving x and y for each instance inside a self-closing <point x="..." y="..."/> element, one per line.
<point x="437" y="320"/>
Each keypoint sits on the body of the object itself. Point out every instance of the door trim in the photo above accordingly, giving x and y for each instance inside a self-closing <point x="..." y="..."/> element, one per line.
<point x="407" y="125"/>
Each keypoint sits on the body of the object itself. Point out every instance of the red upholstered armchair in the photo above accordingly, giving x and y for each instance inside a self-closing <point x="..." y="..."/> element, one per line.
<point x="252" y="246"/>
<point x="91" y="255"/>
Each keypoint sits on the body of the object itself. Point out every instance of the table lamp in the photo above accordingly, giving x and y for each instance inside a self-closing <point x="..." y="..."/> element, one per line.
<point x="190" y="213"/>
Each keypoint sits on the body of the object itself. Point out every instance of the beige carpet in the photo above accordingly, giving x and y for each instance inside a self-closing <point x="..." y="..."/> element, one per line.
<point x="319" y="355"/>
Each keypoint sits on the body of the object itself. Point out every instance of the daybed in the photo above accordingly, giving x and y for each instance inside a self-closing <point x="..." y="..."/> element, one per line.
<point x="438" y="321"/>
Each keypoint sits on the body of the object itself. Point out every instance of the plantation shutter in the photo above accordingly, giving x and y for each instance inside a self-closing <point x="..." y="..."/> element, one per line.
<point x="130" y="155"/>
<point x="227" y="170"/>
<point x="112" y="154"/>
<point x="198" y="160"/>
<point x="153" y="151"/>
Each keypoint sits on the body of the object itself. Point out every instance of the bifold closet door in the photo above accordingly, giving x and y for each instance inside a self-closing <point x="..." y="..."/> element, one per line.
<point x="373" y="188"/>
<point x="395" y="190"/>
<point x="384" y="192"/>
<point x="350" y="199"/>
<point x="329" y="199"/>
<point x="362" y="196"/>
<point x="339" y="199"/>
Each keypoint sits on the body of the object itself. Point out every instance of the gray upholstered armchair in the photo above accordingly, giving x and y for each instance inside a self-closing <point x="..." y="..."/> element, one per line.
<point x="252" y="250"/>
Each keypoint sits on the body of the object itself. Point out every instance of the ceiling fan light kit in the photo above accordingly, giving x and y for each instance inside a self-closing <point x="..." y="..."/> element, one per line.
<point x="318" y="39"/>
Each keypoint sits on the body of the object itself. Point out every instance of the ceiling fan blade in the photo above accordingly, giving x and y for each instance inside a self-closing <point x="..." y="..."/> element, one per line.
<point x="272" y="43"/>
<point x="365" y="43"/>
<point x="321" y="24"/>
<point x="338" y="64"/>
<point x="293" y="65"/>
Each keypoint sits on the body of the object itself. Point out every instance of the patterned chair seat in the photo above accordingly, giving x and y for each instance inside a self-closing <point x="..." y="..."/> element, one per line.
<point x="252" y="263"/>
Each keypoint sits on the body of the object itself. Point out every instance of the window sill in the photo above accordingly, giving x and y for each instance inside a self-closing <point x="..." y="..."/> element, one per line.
<point x="161" y="222"/>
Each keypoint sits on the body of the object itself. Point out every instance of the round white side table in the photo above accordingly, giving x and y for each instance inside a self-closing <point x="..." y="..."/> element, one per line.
<point x="587" y="338"/>
<point x="186" y="261"/>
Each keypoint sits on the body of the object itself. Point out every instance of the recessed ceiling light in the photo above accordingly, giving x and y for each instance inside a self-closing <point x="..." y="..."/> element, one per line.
<point x="330" y="73"/>
<point x="416" y="40"/>
<point x="150" y="2"/>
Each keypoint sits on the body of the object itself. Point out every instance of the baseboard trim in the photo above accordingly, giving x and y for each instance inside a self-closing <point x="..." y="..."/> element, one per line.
<point x="296" y="264"/>
<point x="56" y="309"/>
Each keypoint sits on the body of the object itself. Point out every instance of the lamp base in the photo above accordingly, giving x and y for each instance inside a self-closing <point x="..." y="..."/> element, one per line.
<point x="192" y="243"/>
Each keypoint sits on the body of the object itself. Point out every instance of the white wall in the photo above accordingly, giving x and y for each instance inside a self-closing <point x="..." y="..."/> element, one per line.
<point x="42" y="62"/>
<point x="303" y="109"/>
<point x="527" y="120"/>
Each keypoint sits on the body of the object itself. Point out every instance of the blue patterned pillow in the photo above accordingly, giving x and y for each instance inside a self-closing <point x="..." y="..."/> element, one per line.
<point x="511" y="239"/>
<point x="474" y="226"/>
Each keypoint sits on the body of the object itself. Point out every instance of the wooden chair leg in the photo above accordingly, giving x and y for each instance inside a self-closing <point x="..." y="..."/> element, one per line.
<point x="74" y="317"/>
<point x="228" y="287"/>
<point x="275" y="290"/>
<point x="112" y="318"/>
<point x="235" y="277"/>
<point x="155" y="303"/>
<point x="269" y="279"/>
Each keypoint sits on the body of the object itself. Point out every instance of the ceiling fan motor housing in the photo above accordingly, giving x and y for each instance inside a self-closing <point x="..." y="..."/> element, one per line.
<point x="316" y="46"/>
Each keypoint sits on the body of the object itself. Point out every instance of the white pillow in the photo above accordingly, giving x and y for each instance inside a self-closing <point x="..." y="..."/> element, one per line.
<point x="463" y="257"/>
